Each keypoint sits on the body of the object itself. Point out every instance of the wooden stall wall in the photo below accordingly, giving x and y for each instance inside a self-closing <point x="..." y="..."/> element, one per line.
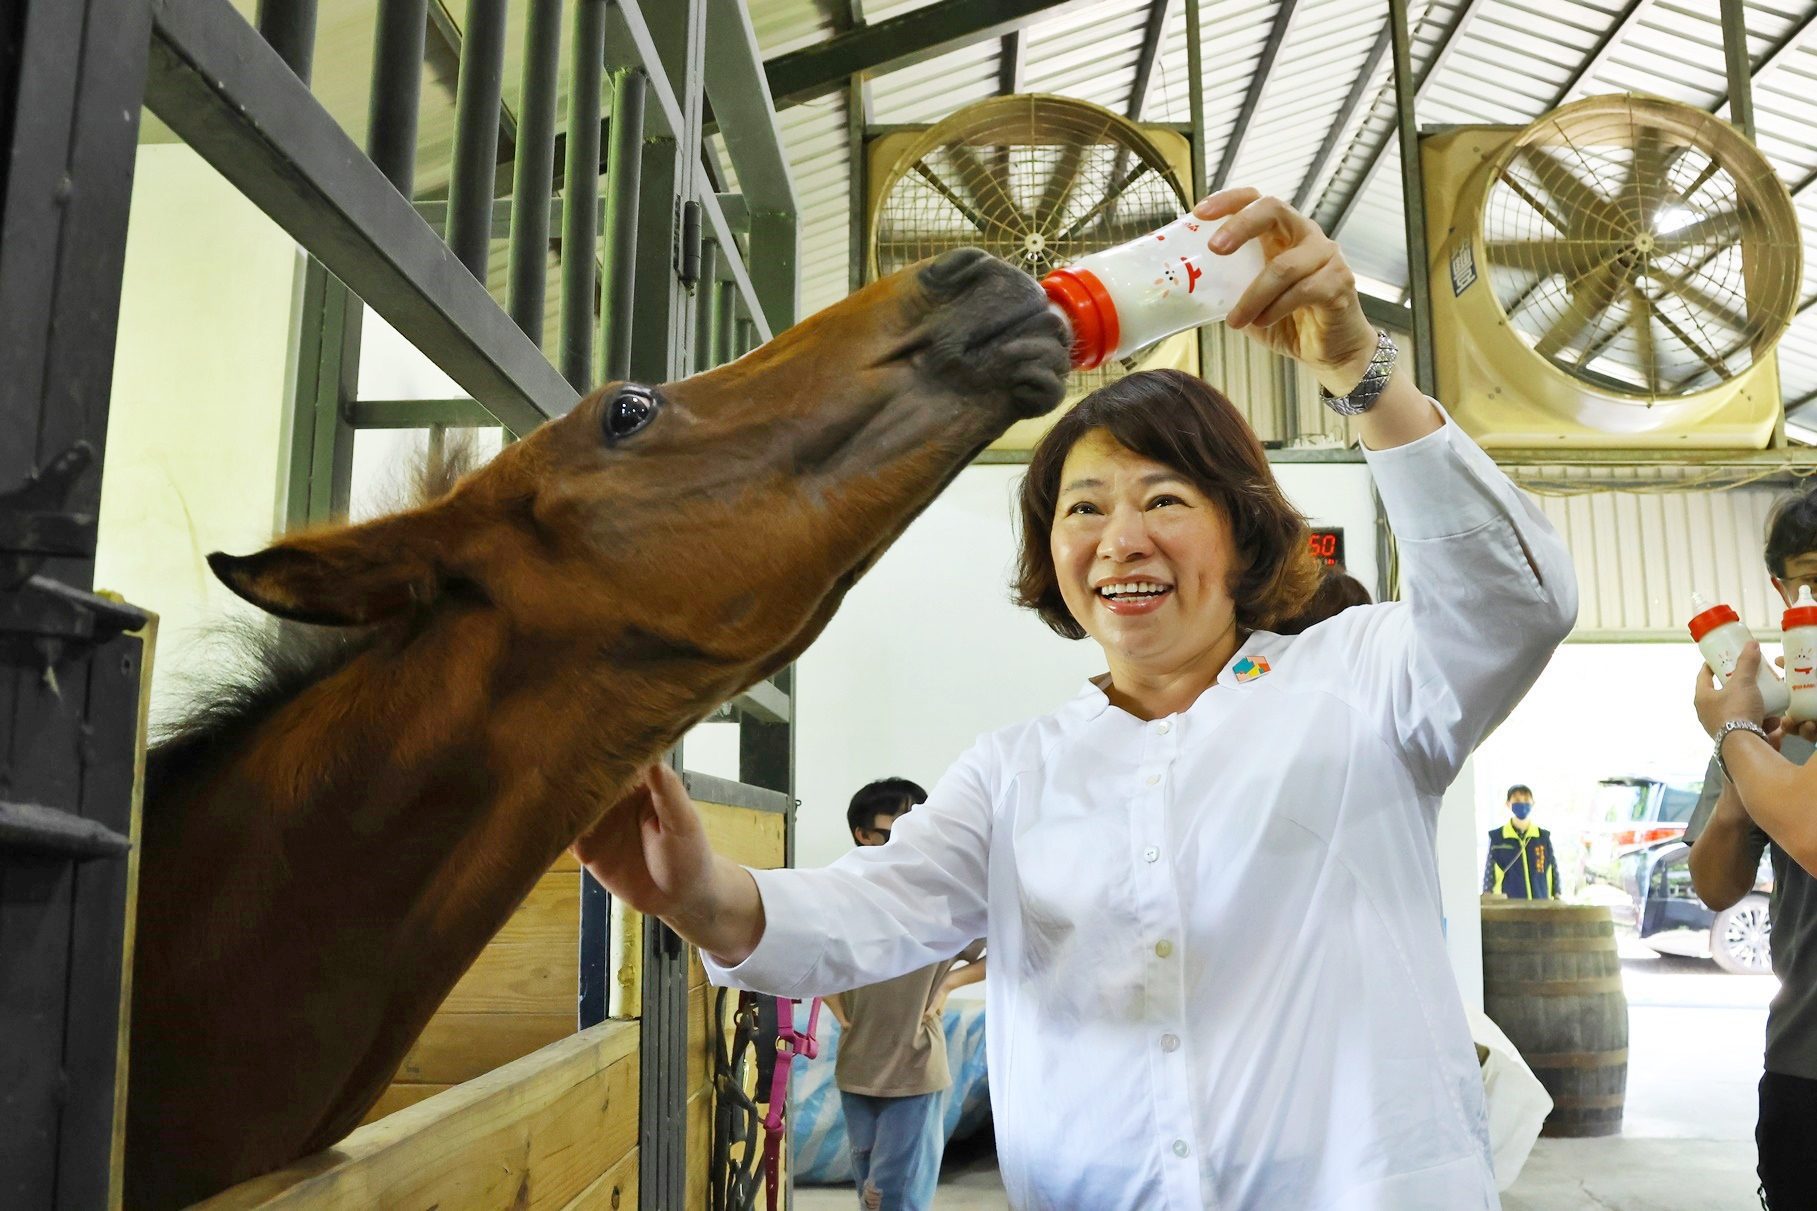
<point x="749" y="837"/>
<point x="554" y="1131"/>
<point x="520" y="994"/>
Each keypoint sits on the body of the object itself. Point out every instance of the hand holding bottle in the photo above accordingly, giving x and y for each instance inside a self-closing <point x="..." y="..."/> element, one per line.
<point x="1304" y="303"/>
<point x="1738" y="697"/>
<point x="1722" y="637"/>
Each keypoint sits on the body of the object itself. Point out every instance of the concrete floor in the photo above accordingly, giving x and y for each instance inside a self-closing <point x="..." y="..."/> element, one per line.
<point x="1695" y="1038"/>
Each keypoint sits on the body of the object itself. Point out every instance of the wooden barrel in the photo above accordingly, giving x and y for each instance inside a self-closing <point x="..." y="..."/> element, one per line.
<point x="1552" y="982"/>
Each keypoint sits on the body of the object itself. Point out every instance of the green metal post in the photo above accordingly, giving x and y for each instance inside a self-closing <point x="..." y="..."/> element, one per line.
<point x="320" y="477"/>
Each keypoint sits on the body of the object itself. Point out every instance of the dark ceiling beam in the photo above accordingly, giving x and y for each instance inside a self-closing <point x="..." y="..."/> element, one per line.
<point x="1442" y="51"/>
<point x="1364" y="85"/>
<point x="885" y="46"/>
<point x="1778" y="58"/>
<point x="1009" y="65"/>
<point x="848" y="15"/>
<point x="1145" y="59"/>
<point x="1258" y="84"/>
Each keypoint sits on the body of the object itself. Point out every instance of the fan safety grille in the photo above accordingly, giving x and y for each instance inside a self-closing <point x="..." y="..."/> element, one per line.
<point x="1642" y="247"/>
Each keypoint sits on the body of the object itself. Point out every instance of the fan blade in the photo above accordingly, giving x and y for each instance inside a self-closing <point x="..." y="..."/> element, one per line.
<point x="1735" y="321"/>
<point x="1586" y="210"/>
<point x="987" y="183"/>
<point x="1590" y="297"/>
<point x="944" y="190"/>
<point x="1647" y="189"/>
<point x="1710" y="169"/>
<point x="1103" y="205"/>
<point x="1546" y="212"/>
<point x="1723" y="227"/>
<point x="1640" y="318"/>
<point x="1709" y="359"/>
<point x="1571" y="258"/>
<point x="1061" y="182"/>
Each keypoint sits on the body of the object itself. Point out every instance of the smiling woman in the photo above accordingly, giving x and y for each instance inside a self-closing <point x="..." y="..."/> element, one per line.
<point x="1208" y="879"/>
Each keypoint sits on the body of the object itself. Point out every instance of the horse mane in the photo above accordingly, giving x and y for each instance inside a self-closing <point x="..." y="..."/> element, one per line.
<point x="265" y="662"/>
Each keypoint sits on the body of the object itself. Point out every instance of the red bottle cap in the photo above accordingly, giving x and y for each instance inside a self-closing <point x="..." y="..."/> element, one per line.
<point x="1080" y="294"/>
<point x="1799" y="616"/>
<point x="1710" y="619"/>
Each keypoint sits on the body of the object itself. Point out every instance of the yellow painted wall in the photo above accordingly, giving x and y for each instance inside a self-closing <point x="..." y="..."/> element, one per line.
<point x="197" y="428"/>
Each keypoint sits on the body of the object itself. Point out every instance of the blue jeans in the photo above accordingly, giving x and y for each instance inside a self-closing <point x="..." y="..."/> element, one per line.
<point x="896" y="1147"/>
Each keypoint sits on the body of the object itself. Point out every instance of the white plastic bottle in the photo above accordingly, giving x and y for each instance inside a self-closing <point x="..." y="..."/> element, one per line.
<point x="1721" y="635"/>
<point x="1165" y="282"/>
<point x="1800" y="626"/>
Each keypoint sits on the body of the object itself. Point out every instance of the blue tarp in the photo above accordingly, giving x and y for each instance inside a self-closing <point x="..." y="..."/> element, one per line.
<point x="818" y="1150"/>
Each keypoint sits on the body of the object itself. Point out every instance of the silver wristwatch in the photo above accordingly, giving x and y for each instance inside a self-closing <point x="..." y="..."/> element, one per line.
<point x="1722" y="733"/>
<point x="1362" y="397"/>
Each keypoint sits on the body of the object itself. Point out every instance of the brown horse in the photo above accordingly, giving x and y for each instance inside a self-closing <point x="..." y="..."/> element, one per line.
<point x="326" y="851"/>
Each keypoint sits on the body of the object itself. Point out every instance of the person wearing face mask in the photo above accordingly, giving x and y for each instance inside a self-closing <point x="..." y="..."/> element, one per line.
<point x="1522" y="864"/>
<point x="1208" y="880"/>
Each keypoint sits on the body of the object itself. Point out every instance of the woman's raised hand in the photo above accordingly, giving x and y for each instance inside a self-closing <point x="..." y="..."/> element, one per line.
<point x="650" y="849"/>
<point x="1304" y="303"/>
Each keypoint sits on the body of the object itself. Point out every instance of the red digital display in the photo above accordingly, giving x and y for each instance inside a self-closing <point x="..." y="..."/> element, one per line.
<point x="1327" y="544"/>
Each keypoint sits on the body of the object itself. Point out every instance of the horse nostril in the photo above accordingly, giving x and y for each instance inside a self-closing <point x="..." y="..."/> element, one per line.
<point x="951" y="271"/>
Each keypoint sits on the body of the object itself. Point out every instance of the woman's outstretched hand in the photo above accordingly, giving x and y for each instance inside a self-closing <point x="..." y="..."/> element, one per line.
<point x="650" y="849"/>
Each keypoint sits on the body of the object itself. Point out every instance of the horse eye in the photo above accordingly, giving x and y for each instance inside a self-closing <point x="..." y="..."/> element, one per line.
<point x="629" y="411"/>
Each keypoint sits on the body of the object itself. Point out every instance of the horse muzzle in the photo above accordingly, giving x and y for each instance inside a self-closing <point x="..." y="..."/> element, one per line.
<point x="994" y="334"/>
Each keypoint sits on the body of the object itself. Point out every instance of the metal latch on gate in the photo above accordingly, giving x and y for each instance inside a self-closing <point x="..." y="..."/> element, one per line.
<point x="34" y="522"/>
<point x="40" y="616"/>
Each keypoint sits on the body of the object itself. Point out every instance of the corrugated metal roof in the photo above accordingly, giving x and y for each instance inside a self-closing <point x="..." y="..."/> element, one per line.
<point x="1088" y="52"/>
<point x="1482" y="61"/>
<point x="1488" y="61"/>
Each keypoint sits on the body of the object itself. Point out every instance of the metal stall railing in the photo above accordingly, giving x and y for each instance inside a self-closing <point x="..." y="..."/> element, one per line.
<point x="70" y="662"/>
<point x="666" y="286"/>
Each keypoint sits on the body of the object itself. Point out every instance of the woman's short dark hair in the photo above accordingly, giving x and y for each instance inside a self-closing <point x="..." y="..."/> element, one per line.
<point x="884" y="797"/>
<point x="1179" y="421"/>
<point x="1791" y="530"/>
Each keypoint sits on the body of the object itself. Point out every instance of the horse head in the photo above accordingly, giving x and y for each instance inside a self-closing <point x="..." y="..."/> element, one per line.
<point x="704" y="530"/>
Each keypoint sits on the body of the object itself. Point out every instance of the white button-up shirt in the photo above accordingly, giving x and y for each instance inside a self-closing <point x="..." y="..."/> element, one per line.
<point x="1218" y="977"/>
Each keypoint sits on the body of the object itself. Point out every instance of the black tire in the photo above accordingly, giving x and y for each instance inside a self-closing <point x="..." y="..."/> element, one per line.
<point x="1741" y="937"/>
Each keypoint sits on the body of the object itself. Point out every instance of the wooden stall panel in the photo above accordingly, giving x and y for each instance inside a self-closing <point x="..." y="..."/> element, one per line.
<point x="457" y="1047"/>
<point x="747" y="836"/>
<point x="750" y="838"/>
<point x="529" y="966"/>
<point x="518" y="996"/>
<point x="613" y="1190"/>
<point x="553" y="1130"/>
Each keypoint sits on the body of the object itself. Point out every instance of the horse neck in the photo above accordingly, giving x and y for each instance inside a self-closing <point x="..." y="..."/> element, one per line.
<point x="427" y="785"/>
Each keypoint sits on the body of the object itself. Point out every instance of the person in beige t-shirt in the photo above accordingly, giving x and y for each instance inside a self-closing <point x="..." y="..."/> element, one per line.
<point x="892" y="1068"/>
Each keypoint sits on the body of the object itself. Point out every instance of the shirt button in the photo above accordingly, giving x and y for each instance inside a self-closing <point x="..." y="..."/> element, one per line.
<point x="1170" y="1042"/>
<point x="1153" y="778"/>
<point x="1150" y="854"/>
<point x="1179" y="1147"/>
<point x="1163" y="948"/>
<point x="1163" y="727"/>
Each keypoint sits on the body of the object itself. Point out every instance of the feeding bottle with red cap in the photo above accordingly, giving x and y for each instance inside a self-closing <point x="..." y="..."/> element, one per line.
<point x="1721" y="635"/>
<point x="1800" y="626"/>
<point x="1167" y="281"/>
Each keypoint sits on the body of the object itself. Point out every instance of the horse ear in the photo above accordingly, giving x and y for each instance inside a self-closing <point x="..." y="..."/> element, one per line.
<point x="350" y="576"/>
